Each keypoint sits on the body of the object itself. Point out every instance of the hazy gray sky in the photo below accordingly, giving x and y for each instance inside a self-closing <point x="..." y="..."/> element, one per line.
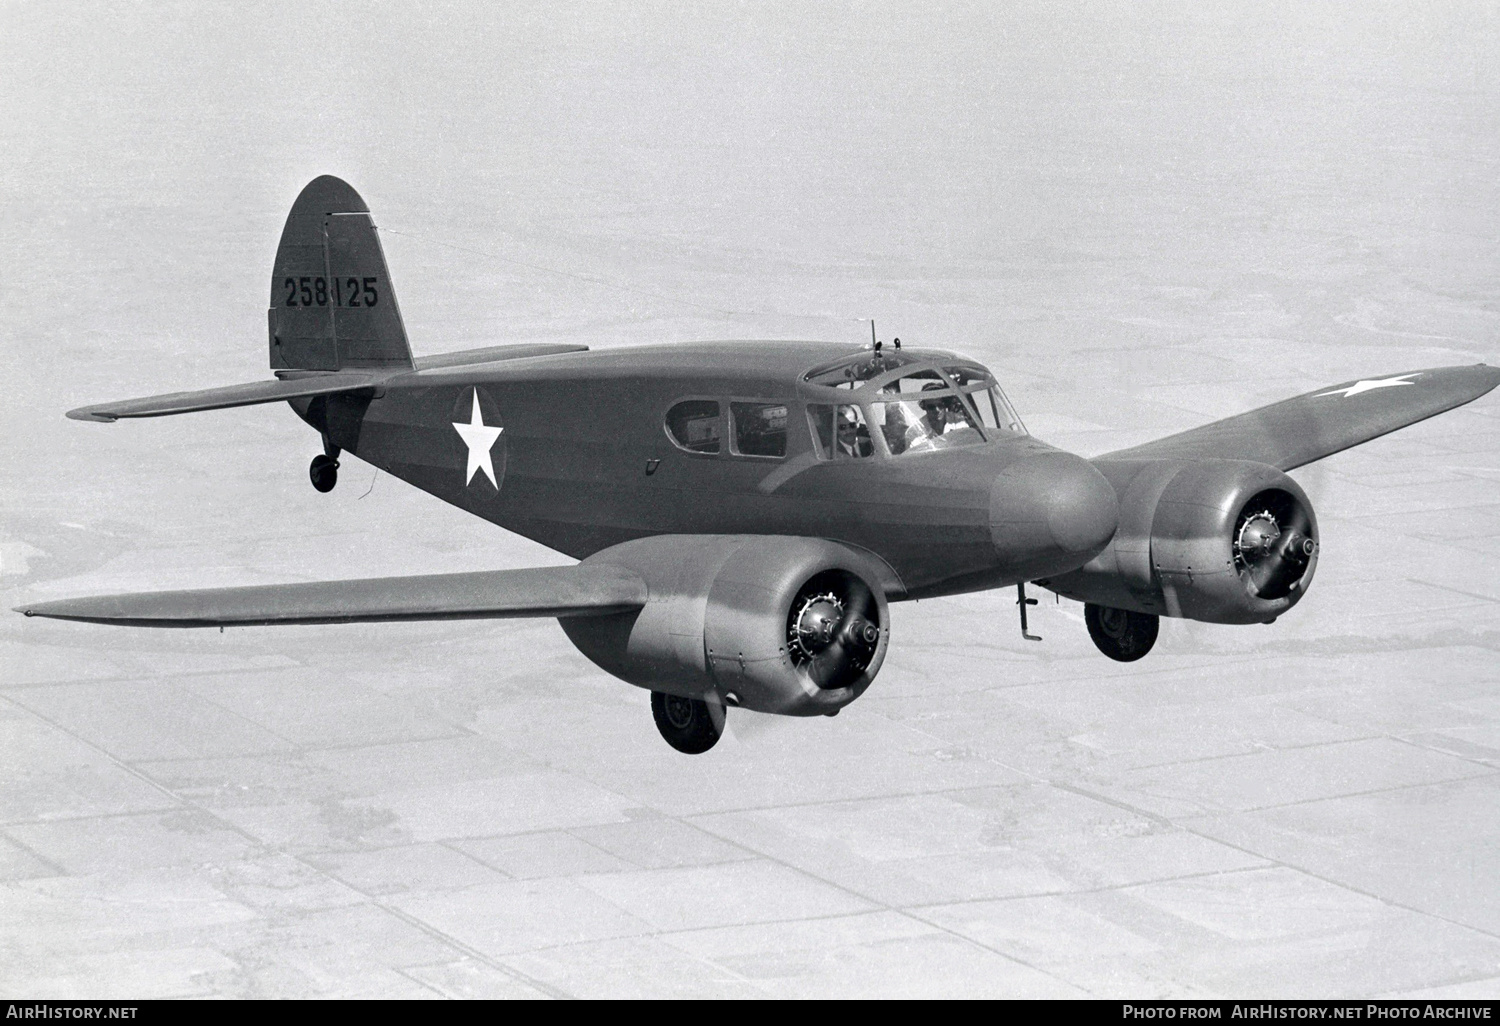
<point x="891" y="126"/>
<point x="971" y="174"/>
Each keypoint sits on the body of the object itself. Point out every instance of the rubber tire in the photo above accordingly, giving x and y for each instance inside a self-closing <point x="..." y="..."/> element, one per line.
<point x="324" y="473"/>
<point x="1121" y="634"/>
<point x="685" y="723"/>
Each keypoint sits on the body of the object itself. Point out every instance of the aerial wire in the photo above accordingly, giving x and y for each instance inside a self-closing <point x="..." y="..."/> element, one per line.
<point x="604" y="282"/>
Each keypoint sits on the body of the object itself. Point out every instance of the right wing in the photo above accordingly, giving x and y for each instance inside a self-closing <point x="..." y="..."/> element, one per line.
<point x="1295" y="432"/>
<point x="540" y="591"/>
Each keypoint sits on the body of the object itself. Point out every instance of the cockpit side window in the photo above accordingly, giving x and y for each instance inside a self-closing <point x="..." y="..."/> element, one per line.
<point x="759" y="428"/>
<point x="694" y="425"/>
<point x="840" y="432"/>
<point x="820" y="420"/>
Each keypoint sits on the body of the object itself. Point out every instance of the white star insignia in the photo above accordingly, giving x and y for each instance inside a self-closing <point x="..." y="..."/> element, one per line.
<point x="1370" y="386"/>
<point x="480" y="438"/>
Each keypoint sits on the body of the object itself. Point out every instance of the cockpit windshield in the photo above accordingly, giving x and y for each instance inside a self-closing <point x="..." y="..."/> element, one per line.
<point x="995" y="411"/>
<point x="916" y="405"/>
<point x="940" y="421"/>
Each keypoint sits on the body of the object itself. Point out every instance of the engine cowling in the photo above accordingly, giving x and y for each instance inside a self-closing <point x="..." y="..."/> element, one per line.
<point x="1222" y="541"/>
<point x="796" y="626"/>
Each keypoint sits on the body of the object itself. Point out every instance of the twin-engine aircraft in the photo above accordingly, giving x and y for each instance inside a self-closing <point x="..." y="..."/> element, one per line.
<point x="743" y="512"/>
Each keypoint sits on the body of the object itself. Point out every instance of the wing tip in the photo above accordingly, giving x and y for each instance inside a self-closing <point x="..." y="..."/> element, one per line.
<point x="49" y="609"/>
<point x="1487" y="377"/>
<point x="95" y="414"/>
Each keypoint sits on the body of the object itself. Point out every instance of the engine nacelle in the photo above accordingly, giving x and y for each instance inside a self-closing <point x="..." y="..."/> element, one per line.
<point x="796" y="626"/>
<point x="1222" y="541"/>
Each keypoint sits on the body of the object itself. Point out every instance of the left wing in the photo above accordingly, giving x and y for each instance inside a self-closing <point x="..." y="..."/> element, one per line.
<point x="227" y="396"/>
<point x="1298" y="431"/>
<point x="593" y="590"/>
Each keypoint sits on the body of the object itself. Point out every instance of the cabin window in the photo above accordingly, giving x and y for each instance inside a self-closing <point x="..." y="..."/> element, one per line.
<point x="694" y="425"/>
<point x="840" y="432"/>
<point x="759" y="428"/>
<point x="941" y="421"/>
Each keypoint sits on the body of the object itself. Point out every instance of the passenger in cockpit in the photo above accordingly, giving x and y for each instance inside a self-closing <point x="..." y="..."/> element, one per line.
<point x="853" y="436"/>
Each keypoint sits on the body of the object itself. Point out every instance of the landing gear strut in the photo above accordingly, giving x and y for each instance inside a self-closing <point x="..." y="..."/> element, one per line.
<point x="1119" y="633"/>
<point x="324" y="470"/>
<point x="689" y="725"/>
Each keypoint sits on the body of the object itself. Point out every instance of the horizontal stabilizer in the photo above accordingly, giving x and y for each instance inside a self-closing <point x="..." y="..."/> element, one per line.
<point x="224" y="398"/>
<point x="1295" y="432"/>
<point x="540" y="591"/>
<point x="495" y="354"/>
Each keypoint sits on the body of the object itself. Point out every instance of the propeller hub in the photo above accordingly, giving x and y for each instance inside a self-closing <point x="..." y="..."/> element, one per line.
<point x="862" y="633"/>
<point x="833" y="629"/>
<point x="1273" y="544"/>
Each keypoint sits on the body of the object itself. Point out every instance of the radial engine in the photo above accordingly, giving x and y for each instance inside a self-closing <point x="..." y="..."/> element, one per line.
<point x="1221" y="541"/>
<point x="795" y="626"/>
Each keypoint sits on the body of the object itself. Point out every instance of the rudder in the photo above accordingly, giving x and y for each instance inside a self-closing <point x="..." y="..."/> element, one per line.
<point x="332" y="303"/>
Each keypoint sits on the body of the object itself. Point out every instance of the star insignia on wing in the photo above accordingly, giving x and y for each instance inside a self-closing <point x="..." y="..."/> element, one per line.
<point x="1371" y="385"/>
<point x="480" y="438"/>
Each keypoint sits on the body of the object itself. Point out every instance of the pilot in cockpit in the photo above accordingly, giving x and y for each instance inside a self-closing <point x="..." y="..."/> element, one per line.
<point x="928" y="432"/>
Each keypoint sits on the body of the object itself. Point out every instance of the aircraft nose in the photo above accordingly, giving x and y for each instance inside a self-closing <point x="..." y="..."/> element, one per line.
<point x="1051" y="512"/>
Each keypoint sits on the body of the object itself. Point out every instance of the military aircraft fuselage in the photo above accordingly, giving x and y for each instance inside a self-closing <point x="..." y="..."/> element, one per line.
<point x="595" y="448"/>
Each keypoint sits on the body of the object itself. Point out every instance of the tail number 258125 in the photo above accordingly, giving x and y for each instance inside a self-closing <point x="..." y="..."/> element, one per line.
<point x="308" y="291"/>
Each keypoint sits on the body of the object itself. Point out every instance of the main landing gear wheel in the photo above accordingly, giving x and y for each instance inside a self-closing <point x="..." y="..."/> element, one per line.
<point x="688" y="724"/>
<point x="324" y="472"/>
<point x="1119" y="633"/>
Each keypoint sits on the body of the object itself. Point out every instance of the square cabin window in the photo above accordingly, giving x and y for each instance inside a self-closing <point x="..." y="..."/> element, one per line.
<point x="759" y="428"/>
<point x="694" y="425"/>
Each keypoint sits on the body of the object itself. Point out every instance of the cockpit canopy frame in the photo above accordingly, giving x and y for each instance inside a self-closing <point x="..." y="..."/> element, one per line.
<point x="894" y="388"/>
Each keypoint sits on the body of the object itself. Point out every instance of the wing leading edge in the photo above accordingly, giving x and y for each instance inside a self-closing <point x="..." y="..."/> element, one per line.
<point x="1298" y="431"/>
<point x="539" y="592"/>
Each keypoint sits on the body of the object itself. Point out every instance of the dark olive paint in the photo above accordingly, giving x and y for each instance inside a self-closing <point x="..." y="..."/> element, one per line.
<point x="580" y="429"/>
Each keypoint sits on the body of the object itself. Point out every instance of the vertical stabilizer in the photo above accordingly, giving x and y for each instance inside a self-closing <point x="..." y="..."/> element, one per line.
<point x="332" y="303"/>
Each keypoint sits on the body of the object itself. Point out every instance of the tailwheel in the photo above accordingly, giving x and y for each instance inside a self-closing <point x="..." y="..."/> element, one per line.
<point x="324" y="472"/>
<point x="1121" y="634"/>
<point x="689" y="725"/>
